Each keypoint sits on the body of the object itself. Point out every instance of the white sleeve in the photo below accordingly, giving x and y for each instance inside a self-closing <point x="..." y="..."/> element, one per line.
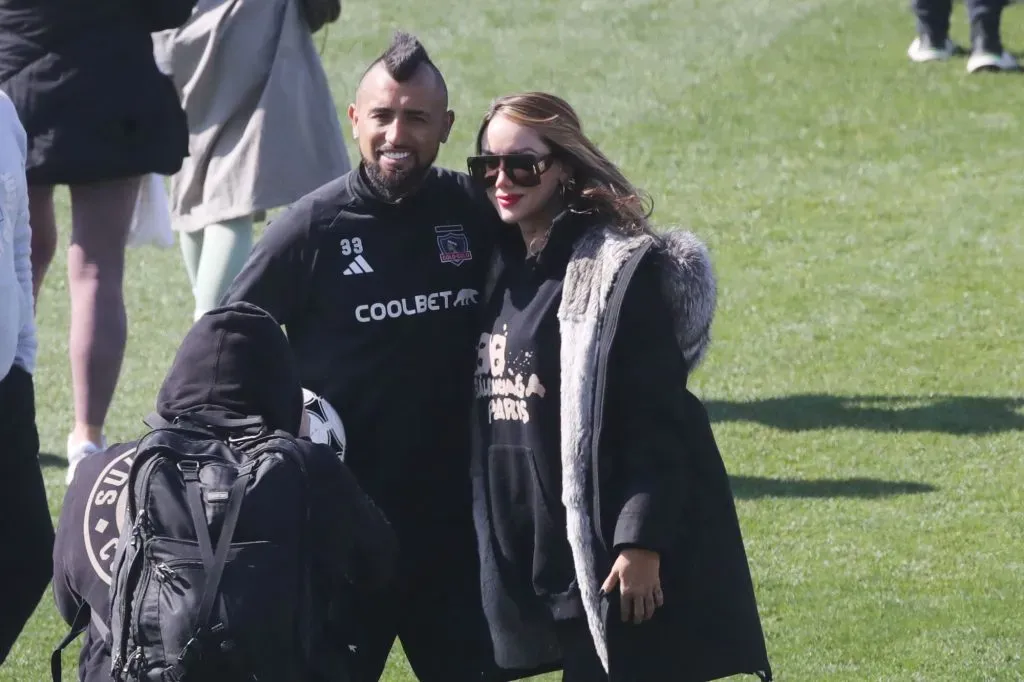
<point x="25" y="356"/>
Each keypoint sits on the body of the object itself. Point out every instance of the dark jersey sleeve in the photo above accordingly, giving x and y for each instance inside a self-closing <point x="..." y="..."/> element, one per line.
<point x="646" y="383"/>
<point x="68" y="599"/>
<point x="75" y="581"/>
<point x="360" y="544"/>
<point x="278" y="271"/>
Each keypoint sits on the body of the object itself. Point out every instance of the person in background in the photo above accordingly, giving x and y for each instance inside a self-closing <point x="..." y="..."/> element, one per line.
<point x="98" y="115"/>
<point x="934" y="44"/>
<point x="263" y="129"/>
<point x="26" y="532"/>
<point x="608" y="537"/>
<point x="233" y="363"/>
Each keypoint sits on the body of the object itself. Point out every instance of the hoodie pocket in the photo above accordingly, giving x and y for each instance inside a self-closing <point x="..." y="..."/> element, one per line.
<point x="528" y="519"/>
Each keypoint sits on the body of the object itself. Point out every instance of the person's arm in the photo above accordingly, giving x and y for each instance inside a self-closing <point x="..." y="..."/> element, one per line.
<point x="360" y="543"/>
<point x="276" y="275"/>
<point x="25" y="354"/>
<point x="647" y="377"/>
<point x="67" y="598"/>
<point x="646" y="380"/>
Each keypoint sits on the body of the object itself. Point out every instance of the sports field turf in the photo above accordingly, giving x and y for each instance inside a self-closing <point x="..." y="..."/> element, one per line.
<point x="866" y="220"/>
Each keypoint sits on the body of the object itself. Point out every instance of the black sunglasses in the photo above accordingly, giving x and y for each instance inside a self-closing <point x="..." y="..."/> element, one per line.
<point x="523" y="170"/>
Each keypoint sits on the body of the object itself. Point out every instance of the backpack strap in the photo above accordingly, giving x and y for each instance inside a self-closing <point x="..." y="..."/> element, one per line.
<point x="155" y="421"/>
<point x="214" y="560"/>
<point x="100" y="626"/>
<point x="230" y="423"/>
<point x="80" y="624"/>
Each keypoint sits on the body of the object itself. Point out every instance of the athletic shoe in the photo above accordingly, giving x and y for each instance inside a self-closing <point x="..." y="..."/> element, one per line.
<point x="79" y="451"/>
<point x="924" y="49"/>
<point x="981" y="60"/>
<point x="987" y="54"/>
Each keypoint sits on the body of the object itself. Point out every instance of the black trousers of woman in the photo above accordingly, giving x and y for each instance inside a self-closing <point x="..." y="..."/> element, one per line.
<point x="581" y="663"/>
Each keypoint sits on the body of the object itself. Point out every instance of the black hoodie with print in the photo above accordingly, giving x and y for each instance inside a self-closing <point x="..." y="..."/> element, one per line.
<point x="234" y="362"/>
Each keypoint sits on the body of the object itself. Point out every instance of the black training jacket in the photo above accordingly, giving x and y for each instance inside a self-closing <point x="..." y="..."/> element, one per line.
<point x="378" y="300"/>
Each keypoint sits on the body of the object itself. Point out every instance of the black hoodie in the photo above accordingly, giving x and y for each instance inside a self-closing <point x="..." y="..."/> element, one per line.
<point x="234" y="362"/>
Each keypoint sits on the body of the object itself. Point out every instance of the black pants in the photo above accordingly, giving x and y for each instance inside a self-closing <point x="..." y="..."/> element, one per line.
<point x="26" y="531"/>
<point x="933" y="18"/>
<point x="635" y="647"/>
<point x="434" y="608"/>
<point x="580" y="662"/>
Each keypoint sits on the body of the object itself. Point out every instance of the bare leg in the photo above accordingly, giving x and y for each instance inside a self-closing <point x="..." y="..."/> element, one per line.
<point x="44" y="233"/>
<point x="101" y="216"/>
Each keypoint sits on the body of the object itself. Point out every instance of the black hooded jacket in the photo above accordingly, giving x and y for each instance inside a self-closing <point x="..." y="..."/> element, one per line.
<point x="234" y="362"/>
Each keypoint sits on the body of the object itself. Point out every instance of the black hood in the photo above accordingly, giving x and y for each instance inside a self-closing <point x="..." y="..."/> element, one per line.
<point x="236" y="362"/>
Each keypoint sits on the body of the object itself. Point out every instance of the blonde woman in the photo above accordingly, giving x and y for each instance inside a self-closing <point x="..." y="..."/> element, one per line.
<point x="608" y="539"/>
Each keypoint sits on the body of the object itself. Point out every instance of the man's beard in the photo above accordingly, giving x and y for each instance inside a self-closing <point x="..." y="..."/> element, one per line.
<point x="394" y="185"/>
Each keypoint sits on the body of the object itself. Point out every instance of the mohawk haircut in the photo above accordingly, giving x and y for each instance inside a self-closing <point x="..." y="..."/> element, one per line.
<point x="403" y="57"/>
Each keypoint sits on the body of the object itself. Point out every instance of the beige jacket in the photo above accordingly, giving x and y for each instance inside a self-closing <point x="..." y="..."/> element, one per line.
<point x="264" y="130"/>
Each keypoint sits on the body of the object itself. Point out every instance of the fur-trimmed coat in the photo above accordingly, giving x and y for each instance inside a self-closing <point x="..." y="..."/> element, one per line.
<point x="709" y="627"/>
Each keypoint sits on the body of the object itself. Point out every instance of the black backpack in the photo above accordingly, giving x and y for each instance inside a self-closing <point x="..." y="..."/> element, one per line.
<point x="211" y="580"/>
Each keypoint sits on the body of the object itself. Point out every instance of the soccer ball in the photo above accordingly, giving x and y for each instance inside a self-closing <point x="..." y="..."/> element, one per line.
<point x="325" y="425"/>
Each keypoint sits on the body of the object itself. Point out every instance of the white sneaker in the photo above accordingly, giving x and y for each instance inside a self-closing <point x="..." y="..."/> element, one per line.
<point x="991" y="61"/>
<point x="923" y="50"/>
<point x="79" y="451"/>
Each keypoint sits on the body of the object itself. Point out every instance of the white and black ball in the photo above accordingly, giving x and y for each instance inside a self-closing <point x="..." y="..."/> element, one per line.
<point x="325" y="426"/>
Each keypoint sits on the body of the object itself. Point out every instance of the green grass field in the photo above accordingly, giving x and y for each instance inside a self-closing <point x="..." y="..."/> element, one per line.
<point x="866" y="219"/>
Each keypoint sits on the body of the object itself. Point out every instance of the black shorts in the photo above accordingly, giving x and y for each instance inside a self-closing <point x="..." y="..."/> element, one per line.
<point x="26" y="530"/>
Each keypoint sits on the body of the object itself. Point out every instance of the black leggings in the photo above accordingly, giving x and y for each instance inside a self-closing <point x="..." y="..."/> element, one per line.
<point x="26" y="531"/>
<point x="580" y="662"/>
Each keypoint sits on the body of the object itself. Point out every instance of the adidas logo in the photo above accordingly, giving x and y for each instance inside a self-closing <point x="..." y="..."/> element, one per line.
<point x="359" y="266"/>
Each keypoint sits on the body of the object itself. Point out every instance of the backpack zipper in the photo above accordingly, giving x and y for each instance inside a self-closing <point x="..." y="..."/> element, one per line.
<point x="134" y="662"/>
<point x="165" y="572"/>
<point x="119" y="659"/>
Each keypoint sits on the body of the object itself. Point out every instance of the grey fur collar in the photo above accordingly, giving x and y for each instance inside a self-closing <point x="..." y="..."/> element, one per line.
<point x="689" y="287"/>
<point x="688" y="281"/>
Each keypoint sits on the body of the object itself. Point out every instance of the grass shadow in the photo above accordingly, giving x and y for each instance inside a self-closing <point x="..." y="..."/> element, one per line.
<point x="49" y="460"/>
<point x="953" y="414"/>
<point x="756" y="488"/>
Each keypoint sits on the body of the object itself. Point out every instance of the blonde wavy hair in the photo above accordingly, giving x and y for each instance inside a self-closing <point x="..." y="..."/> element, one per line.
<point x="597" y="185"/>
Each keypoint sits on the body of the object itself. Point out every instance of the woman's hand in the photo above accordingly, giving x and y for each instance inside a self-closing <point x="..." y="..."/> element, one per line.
<point x="637" y="572"/>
